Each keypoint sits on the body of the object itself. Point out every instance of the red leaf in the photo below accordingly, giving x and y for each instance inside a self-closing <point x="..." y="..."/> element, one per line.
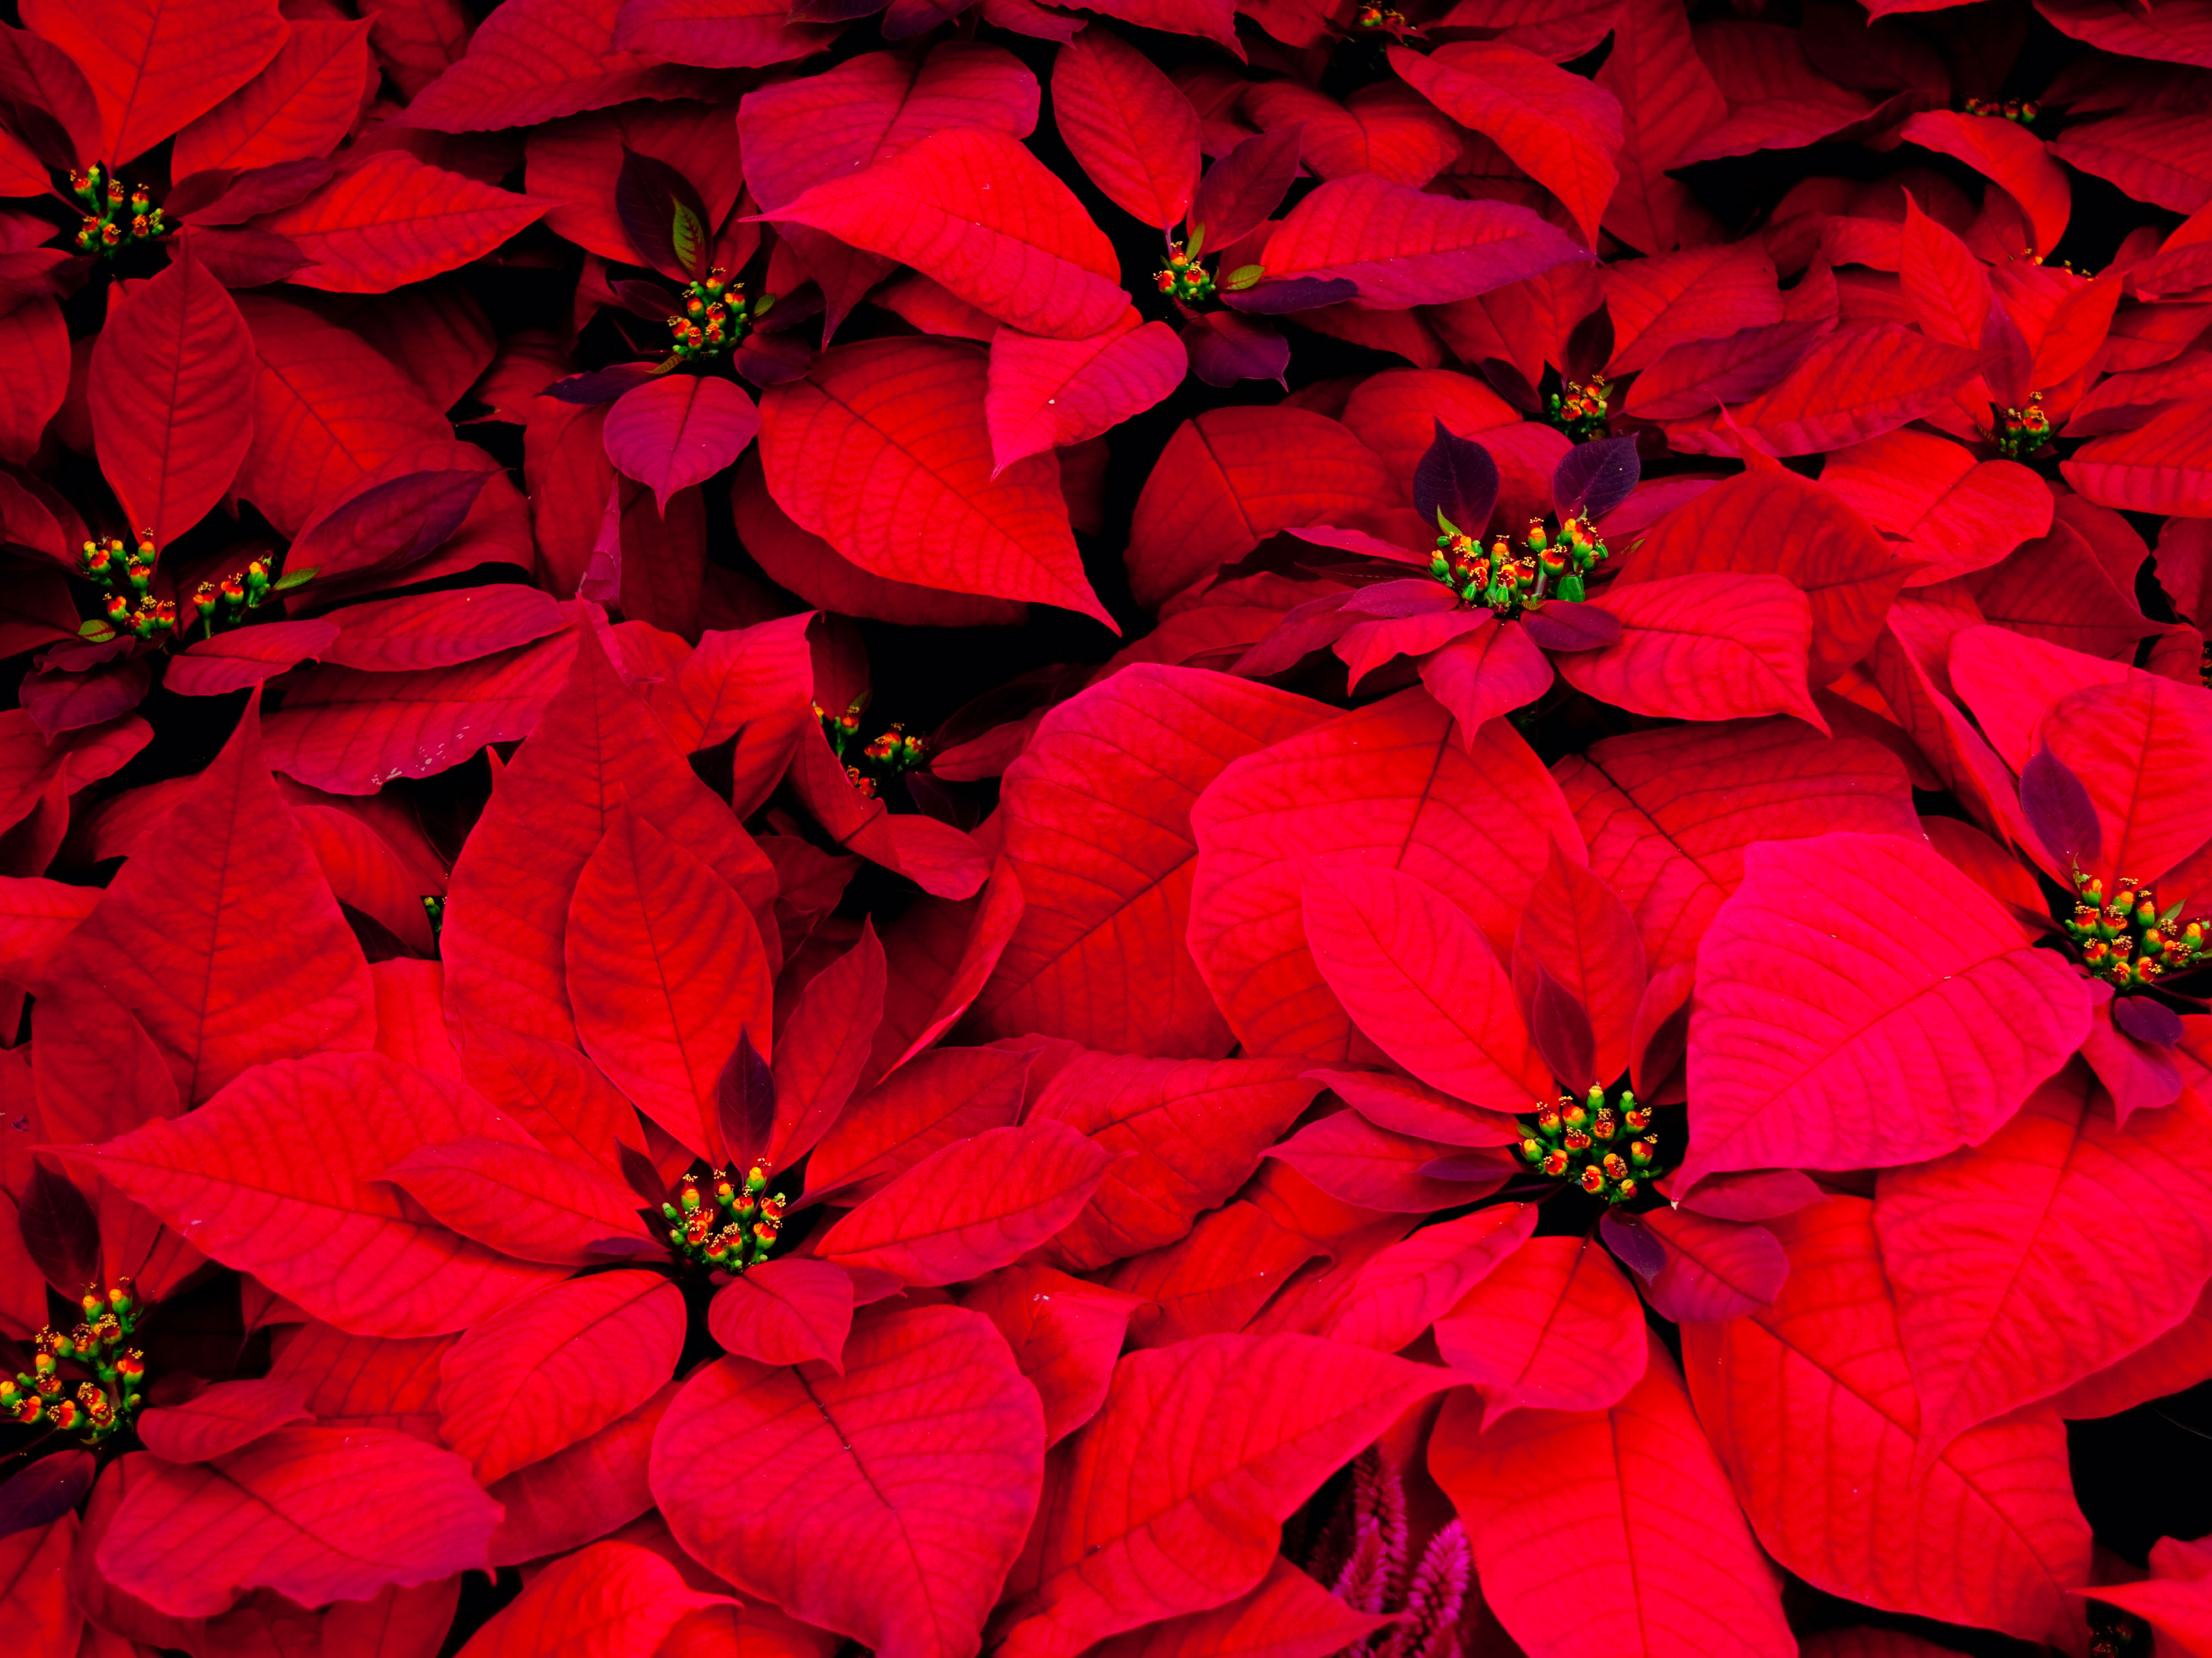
<point x="1386" y="129"/>
<point x="1703" y="646"/>
<point x="1957" y="513"/>
<point x="1127" y="126"/>
<point x="1663" y="1563"/>
<point x="2176" y="1600"/>
<point x="1411" y="1285"/>
<point x="1357" y="1163"/>
<point x="2146" y="151"/>
<point x="1390" y="784"/>
<point x="597" y="744"/>
<point x="976" y="212"/>
<point x="281" y="1176"/>
<point x="1288" y="1616"/>
<point x="1815" y="1042"/>
<point x="1185" y="1135"/>
<point x="583" y="1493"/>
<point x="755" y="684"/>
<point x="1561" y="129"/>
<point x="679" y="430"/>
<point x="1097" y="828"/>
<point x="300" y="106"/>
<point x="155" y="64"/>
<point x="222" y="938"/>
<point x="667" y="969"/>
<point x="34" y="350"/>
<point x="2058" y="1247"/>
<point x="221" y="1419"/>
<point x="1667" y="98"/>
<point x="824" y="1046"/>
<point x="1576" y="929"/>
<point x="523" y="1202"/>
<point x="438" y="630"/>
<point x="1177" y="1488"/>
<point x="167" y="416"/>
<point x="1405" y="248"/>
<point x="393" y="221"/>
<point x="1948" y="287"/>
<point x="940" y="858"/>
<point x="2008" y="154"/>
<point x="287" y="1513"/>
<point x="785" y="1312"/>
<point x="904" y="419"/>
<point x="939" y="1097"/>
<point x="1554" y="1325"/>
<point x="1861" y="380"/>
<point x="2163" y="465"/>
<point x="1715" y="1269"/>
<point x="973" y="1207"/>
<point x="1776" y="523"/>
<point x="720" y="33"/>
<point x="232" y="661"/>
<point x="1065" y="1335"/>
<point x="550" y="1370"/>
<point x="1047" y="393"/>
<point x="538" y="60"/>
<point x="923" y="1459"/>
<point x="1420" y="979"/>
<point x="1810" y="1404"/>
<point x="613" y="1600"/>
<point x="1233" y="477"/>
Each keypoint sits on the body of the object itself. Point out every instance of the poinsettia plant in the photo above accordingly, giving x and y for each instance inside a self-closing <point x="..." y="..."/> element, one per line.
<point x="1132" y="828"/>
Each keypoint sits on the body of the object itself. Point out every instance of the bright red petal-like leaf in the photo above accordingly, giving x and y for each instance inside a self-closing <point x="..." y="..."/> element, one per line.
<point x="1715" y="1269"/>
<point x="1861" y="380"/>
<point x="1047" y="393"/>
<point x="1129" y="127"/>
<point x="1810" y="1404"/>
<point x="1288" y="1616"/>
<point x="298" y="108"/>
<point x="438" y="630"/>
<point x="287" y="1513"/>
<point x="1359" y="1164"/>
<point x="975" y="211"/>
<point x="785" y="1312"/>
<point x="222" y="938"/>
<point x="1411" y="1283"/>
<point x="282" y="1175"/>
<point x="1957" y="513"/>
<point x="1065" y="1335"/>
<point x="550" y="1370"/>
<point x="2163" y="465"/>
<point x="1703" y="646"/>
<point x="171" y="427"/>
<point x="924" y="1460"/>
<point x="523" y="1202"/>
<point x="1667" y="98"/>
<point x="1419" y="979"/>
<point x="1185" y="1132"/>
<point x="903" y="421"/>
<point x="680" y="429"/>
<point x="666" y="970"/>
<point x="233" y="661"/>
<point x="2056" y="1247"/>
<point x="719" y="34"/>
<point x="1561" y="129"/>
<point x="1097" y="828"/>
<point x="1664" y="1562"/>
<point x="2008" y="153"/>
<point x="613" y="1600"/>
<point x="939" y="1097"/>
<point x="539" y="59"/>
<point x="974" y="1205"/>
<point x="2138" y="746"/>
<point x="1177" y="1487"/>
<point x="1554" y="1325"/>
<point x="155" y="64"/>
<point x="1815" y="1041"/>
<point x="1391" y="784"/>
<point x="393" y="220"/>
<point x="219" y="1420"/>
<point x="1405" y="248"/>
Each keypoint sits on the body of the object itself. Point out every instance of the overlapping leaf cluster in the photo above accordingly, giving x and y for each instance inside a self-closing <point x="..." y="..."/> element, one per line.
<point x="1585" y="1038"/>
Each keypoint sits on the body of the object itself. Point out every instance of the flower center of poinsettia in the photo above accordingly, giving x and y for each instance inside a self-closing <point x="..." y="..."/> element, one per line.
<point x="87" y="1379"/>
<point x="1579" y="409"/>
<point x="1184" y="277"/>
<point x="125" y="572"/>
<point x="2127" y="940"/>
<point x="890" y="753"/>
<point x="2023" y="431"/>
<point x="2022" y="111"/>
<point x="1547" y="565"/>
<point x="716" y="1221"/>
<point x="116" y="216"/>
<point x="1371" y="16"/>
<point x="715" y="317"/>
<point x="1603" y="1146"/>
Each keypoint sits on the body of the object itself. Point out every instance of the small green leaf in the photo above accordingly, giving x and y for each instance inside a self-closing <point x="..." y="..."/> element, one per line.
<point x="97" y="630"/>
<point x="292" y="579"/>
<point x="1243" y="277"/>
<point x="1197" y="240"/>
<point x="687" y="235"/>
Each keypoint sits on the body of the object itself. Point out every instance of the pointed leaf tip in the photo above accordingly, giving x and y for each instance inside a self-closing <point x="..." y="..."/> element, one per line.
<point x="2059" y="808"/>
<point x="1458" y="479"/>
<point x="744" y="1104"/>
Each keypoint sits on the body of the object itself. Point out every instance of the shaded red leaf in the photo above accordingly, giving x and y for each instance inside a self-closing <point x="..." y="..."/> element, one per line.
<point x="785" y="1312"/>
<point x="220" y="1419"/>
<point x="1554" y="1325"/>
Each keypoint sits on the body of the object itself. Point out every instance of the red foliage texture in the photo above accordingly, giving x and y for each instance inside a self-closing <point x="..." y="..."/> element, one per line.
<point x="1543" y="996"/>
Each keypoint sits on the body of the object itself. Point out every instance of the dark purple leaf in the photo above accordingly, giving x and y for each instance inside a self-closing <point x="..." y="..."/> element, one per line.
<point x="1589" y="346"/>
<point x="2058" y="809"/>
<point x="602" y="385"/>
<point x="1455" y="480"/>
<point x="1593" y="478"/>
<point x="1510" y="384"/>
<point x="664" y="216"/>
<point x="766" y="358"/>
<point x="2010" y="365"/>
<point x="649" y="301"/>
<point x="1278" y="299"/>
<point x="61" y="701"/>
<point x="907" y="18"/>
<point x="1244" y="187"/>
<point x="44" y="1492"/>
<point x="1631" y="1242"/>
<point x="744" y="1102"/>
<point x="2147" y="1021"/>
<point x="389" y="526"/>
<point x="1558" y="625"/>
<point x="260" y="189"/>
<point x="1304" y="629"/>
<point x="60" y="1232"/>
<point x="644" y="1179"/>
<point x="1698" y="375"/>
<point x="1468" y="1167"/>
<point x="833" y="11"/>
<point x="1226" y="349"/>
<point x="246" y="258"/>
